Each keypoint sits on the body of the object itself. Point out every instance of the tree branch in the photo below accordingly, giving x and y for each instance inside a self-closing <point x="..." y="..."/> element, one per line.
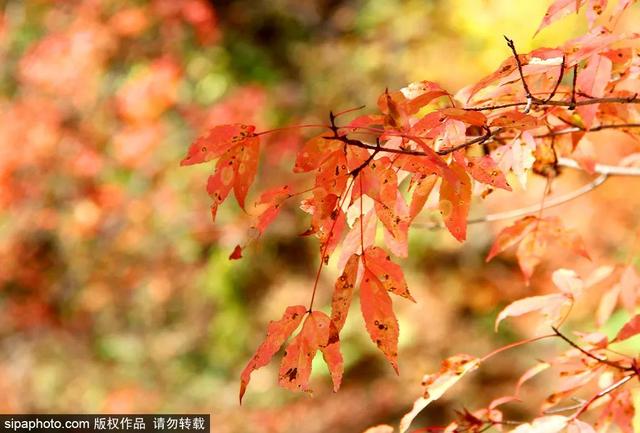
<point x="572" y="103"/>
<point x="587" y="353"/>
<point x="530" y="97"/>
<point x="603" y="170"/>
<point x="560" y="76"/>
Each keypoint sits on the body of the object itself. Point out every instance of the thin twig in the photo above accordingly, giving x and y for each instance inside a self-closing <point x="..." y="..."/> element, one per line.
<point x="603" y="170"/>
<point x="512" y="46"/>
<point x="572" y="103"/>
<point x="587" y="353"/>
<point x="539" y="103"/>
<point x="560" y="76"/>
<point x="575" y="128"/>
<point x="602" y="393"/>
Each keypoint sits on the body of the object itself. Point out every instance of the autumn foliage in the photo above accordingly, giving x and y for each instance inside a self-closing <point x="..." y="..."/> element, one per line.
<point x="367" y="178"/>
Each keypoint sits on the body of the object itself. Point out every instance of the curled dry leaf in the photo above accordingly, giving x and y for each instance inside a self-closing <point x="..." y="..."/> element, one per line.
<point x="451" y="371"/>
<point x="549" y="305"/>
<point x="545" y="424"/>
<point x="383" y="428"/>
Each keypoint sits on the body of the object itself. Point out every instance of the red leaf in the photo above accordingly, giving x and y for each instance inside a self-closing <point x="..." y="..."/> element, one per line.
<point x="268" y="206"/>
<point x="236" y="254"/>
<point x="511" y="235"/>
<point x="471" y="117"/>
<point x="390" y="274"/>
<point x="483" y="169"/>
<point x="535" y="235"/>
<point x="420" y="195"/>
<point x="455" y="200"/>
<point x="378" y="180"/>
<point x="421" y="93"/>
<point x="394" y="106"/>
<point x="515" y="119"/>
<point x="631" y="328"/>
<point x="621" y="410"/>
<point x="220" y="182"/>
<point x="277" y="332"/>
<point x="245" y="169"/>
<point x="593" y="81"/>
<point x="531" y="252"/>
<point x="559" y="9"/>
<point x="315" y="152"/>
<point x="217" y="141"/>
<point x="353" y="240"/>
<point x="506" y="68"/>
<point x="596" y="41"/>
<point x="328" y="221"/>
<point x="333" y="358"/>
<point x="367" y="121"/>
<point x="235" y="169"/>
<point x="333" y="174"/>
<point x="295" y="369"/>
<point x="379" y="317"/>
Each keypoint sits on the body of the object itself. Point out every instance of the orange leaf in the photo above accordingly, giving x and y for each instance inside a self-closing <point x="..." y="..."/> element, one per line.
<point x="483" y="169"/>
<point x="217" y="141"/>
<point x="631" y="328"/>
<point x="343" y="292"/>
<point x="379" y="317"/>
<point x="421" y="194"/>
<point x="593" y="81"/>
<point x="455" y="200"/>
<point x="315" y="152"/>
<point x="390" y="274"/>
<point x="220" y="182"/>
<point x="511" y="236"/>
<point x="277" y="332"/>
<point x="295" y="369"/>
<point x="471" y="117"/>
<point x="559" y="9"/>
<point x="515" y="119"/>
<point x="245" y="169"/>
<point x="268" y="206"/>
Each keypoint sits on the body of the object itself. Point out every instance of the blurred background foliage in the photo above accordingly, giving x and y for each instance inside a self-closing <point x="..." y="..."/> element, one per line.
<point x="115" y="289"/>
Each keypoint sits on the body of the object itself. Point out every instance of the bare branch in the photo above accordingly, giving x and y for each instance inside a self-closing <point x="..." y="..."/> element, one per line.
<point x="540" y="103"/>
<point x="587" y="353"/>
<point x="572" y="103"/>
<point x="560" y="76"/>
<point x="602" y="393"/>
<point x="530" y="97"/>
<point x="608" y="170"/>
<point x="603" y="170"/>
